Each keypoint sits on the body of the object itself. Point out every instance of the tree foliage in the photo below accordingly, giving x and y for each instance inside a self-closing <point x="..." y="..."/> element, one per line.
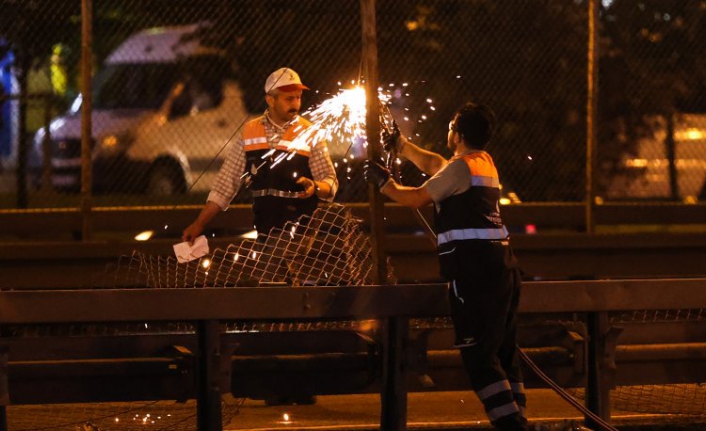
<point x="651" y="65"/>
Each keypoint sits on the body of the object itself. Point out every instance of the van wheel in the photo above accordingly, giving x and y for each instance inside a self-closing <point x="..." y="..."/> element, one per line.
<point x="165" y="180"/>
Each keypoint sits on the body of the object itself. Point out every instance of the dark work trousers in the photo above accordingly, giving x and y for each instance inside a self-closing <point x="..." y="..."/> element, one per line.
<point x="484" y="297"/>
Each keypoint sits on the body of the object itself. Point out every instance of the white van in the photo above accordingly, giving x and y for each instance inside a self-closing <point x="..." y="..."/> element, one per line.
<point x="163" y="108"/>
<point x="645" y="174"/>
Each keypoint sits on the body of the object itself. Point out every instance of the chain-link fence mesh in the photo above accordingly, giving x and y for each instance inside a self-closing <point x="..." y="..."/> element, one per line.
<point x="125" y="416"/>
<point x="440" y="54"/>
<point x="677" y="398"/>
<point x="174" y="81"/>
<point x="39" y="58"/>
<point x="327" y="248"/>
<point x="652" y="122"/>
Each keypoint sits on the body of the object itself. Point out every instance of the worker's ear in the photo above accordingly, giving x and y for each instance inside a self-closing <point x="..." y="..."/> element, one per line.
<point x="270" y="99"/>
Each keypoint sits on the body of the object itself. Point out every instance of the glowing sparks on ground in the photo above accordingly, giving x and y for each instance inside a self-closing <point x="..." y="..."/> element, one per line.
<point x="144" y="236"/>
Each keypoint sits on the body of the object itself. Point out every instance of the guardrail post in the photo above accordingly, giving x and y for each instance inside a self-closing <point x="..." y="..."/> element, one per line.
<point x="393" y="400"/>
<point x="208" y="401"/>
<point x="4" y="390"/>
<point x="598" y="381"/>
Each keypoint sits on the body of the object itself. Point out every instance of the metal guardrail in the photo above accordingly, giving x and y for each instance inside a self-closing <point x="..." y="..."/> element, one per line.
<point x="345" y="302"/>
<point x="392" y="305"/>
<point x="78" y="264"/>
<point x="239" y="217"/>
<point x="43" y="253"/>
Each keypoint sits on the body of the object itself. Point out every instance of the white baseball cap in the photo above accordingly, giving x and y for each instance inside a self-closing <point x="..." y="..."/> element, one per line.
<point x="285" y="79"/>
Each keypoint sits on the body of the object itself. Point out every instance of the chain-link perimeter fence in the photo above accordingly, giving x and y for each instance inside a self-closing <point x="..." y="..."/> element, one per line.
<point x="174" y="81"/>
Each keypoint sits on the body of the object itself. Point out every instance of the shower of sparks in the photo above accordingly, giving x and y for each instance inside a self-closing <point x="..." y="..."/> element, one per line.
<point x="339" y="120"/>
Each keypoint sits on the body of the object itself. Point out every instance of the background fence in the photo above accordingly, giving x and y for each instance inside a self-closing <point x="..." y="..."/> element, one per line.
<point x="174" y="80"/>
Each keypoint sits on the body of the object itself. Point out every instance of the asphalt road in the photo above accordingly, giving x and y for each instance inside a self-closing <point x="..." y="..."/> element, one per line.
<point x="435" y="411"/>
<point x="426" y="411"/>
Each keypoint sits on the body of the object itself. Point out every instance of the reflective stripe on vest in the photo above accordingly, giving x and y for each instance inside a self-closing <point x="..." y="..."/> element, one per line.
<point x="255" y="141"/>
<point x="482" y="181"/>
<point x="276" y="193"/>
<point x="474" y="213"/>
<point x="466" y="234"/>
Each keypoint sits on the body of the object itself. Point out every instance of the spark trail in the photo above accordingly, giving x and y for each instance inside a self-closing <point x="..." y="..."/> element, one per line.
<point x="339" y="120"/>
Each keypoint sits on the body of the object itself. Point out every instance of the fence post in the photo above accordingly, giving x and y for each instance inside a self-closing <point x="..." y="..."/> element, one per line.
<point x="591" y="112"/>
<point x="86" y="124"/>
<point x="372" y="129"/>
<point x="672" y="157"/>
<point x="208" y="400"/>
<point x="598" y="382"/>
<point x="45" y="176"/>
<point x="393" y="416"/>
<point x="23" y="64"/>
<point x="4" y="390"/>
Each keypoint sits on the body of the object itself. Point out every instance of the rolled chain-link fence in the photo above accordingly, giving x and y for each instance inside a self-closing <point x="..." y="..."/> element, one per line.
<point x="174" y="81"/>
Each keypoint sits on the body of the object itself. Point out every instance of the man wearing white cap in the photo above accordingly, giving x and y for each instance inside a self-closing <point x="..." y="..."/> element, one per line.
<point x="283" y="188"/>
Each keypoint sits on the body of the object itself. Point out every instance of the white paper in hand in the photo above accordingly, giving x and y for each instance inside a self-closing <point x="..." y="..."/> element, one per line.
<point x="186" y="252"/>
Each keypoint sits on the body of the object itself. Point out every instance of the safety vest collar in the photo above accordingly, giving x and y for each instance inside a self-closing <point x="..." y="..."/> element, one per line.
<point x="255" y="136"/>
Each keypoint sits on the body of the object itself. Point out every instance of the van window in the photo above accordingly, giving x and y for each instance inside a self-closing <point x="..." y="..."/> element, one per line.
<point x="203" y="78"/>
<point x="133" y="86"/>
<point x="194" y="98"/>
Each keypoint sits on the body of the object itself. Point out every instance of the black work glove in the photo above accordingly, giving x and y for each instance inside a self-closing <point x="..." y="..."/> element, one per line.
<point x="377" y="174"/>
<point x="390" y="139"/>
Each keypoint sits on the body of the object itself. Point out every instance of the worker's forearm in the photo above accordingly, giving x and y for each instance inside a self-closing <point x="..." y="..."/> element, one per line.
<point x="196" y="228"/>
<point x="414" y="197"/>
<point x="324" y="190"/>
<point x="427" y="161"/>
<point x="207" y="213"/>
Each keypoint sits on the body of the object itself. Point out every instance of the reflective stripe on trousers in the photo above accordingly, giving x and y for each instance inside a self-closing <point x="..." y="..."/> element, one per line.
<point x="498" y="400"/>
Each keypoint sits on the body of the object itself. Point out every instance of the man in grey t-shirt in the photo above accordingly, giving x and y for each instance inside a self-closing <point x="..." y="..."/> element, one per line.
<point x="474" y="256"/>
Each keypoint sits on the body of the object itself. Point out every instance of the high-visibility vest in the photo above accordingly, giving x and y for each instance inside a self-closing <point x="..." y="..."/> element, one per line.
<point x="474" y="214"/>
<point x="274" y="184"/>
